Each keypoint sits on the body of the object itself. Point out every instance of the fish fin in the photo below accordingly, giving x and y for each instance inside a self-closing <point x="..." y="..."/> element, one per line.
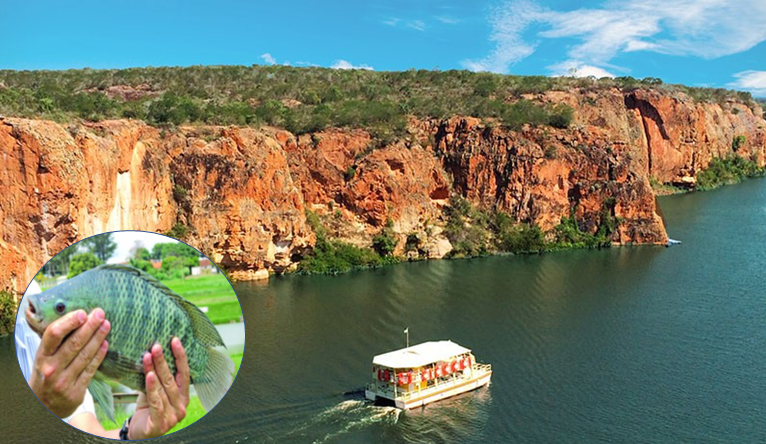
<point x="102" y="394"/>
<point x="204" y="330"/>
<point x="215" y="380"/>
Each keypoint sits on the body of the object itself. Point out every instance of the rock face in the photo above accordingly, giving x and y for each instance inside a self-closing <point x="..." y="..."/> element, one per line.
<point x="243" y="193"/>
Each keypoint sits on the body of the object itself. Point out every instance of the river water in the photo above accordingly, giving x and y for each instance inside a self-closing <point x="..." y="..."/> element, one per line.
<point x="633" y="344"/>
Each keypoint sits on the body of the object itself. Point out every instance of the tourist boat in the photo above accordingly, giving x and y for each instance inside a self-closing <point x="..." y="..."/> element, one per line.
<point x="417" y="375"/>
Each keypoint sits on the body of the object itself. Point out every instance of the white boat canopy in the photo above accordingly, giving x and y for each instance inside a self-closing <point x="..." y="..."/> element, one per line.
<point x="420" y="355"/>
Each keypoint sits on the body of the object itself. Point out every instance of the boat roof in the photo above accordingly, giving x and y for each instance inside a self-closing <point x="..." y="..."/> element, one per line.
<point x="420" y="355"/>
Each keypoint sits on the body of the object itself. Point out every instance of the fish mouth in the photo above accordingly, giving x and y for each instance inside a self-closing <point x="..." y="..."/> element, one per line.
<point x="34" y="318"/>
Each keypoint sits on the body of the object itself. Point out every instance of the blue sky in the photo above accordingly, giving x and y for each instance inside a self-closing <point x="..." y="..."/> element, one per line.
<point x="718" y="43"/>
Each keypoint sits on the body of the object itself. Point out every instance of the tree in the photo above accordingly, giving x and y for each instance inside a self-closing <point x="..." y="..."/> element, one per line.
<point x="102" y="246"/>
<point x="82" y="262"/>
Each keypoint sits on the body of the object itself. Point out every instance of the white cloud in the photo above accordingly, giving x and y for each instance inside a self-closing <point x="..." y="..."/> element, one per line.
<point x="753" y="81"/>
<point x="700" y="28"/>
<point x="447" y="20"/>
<point x="342" y="64"/>
<point x="417" y="25"/>
<point x="508" y="24"/>
<point x="574" y="68"/>
<point x="391" y="21"/>
<point x="268" y="59"/>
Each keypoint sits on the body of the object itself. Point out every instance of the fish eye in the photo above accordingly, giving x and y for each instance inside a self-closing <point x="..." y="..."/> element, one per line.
<point x="60" y="307"/>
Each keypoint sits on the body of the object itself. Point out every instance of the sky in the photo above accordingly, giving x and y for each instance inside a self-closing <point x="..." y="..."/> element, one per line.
<point x="718" y="43"/>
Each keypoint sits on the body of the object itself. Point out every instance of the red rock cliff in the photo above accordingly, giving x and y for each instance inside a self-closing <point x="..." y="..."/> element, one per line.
<point x="244" y="192"/>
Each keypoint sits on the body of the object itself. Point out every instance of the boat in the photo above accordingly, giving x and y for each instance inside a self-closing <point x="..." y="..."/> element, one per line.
<point x="424" y="373"/>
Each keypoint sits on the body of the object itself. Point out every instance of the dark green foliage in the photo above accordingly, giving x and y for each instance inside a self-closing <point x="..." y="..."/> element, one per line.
<point x="413" y="243"/>
<point x="569" y="234"/>
<point x="467" y="229"/>
<point x="737" y="142"/>
<point x="517" y="238"/>
<point x="726" y="171"/>
<point x="179" y="231"/>
<point x="101" y="245"/>
<point x="7" y="312"/>
<point x="179" y="193"/>
<point x="385" y="242"/>
<point x="176" y="249"/>
<point x="173" y="109"/>
<point x="334" y="257"/>
<point x="350" y="173"/>
<point x="81" y="263"/>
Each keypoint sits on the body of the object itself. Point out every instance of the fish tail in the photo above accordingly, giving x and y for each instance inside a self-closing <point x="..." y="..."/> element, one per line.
<point x="215" y="380"/>
<point x="102" y="394"/>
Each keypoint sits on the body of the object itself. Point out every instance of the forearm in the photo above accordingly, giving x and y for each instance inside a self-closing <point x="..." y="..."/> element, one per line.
<point x="88" y="423"/>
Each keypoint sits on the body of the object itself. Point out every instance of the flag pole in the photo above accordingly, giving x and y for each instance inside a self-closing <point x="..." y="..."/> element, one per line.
<point x="407" y="332"/>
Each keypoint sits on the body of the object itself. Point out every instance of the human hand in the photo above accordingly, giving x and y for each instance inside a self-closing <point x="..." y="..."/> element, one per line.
<point x="167" y="395"/>
<point x="65" y="365"/>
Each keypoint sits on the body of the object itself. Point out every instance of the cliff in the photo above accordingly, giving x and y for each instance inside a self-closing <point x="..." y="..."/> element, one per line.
<point x="243" y="193"/>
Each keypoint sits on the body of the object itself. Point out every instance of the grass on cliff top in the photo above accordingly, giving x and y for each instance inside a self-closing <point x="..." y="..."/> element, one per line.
<point x="212" y="291"/>
<point x="302" y="99"/>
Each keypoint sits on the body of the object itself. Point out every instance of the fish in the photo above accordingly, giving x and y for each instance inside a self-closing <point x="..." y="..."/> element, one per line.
<point x="142" y="311"/>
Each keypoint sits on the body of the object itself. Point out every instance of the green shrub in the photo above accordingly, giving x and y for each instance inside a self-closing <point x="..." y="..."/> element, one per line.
<point x="385" y="242"/>
<point x="179" y="231"/>
<point x="737" y="142"/>
<point x="723" y="171"/>
<point x="7" y="311"/>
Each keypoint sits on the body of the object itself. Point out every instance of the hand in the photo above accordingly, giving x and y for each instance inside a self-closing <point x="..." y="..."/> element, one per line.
<point x="64" y="367"/>
<point x="167" y="395"/>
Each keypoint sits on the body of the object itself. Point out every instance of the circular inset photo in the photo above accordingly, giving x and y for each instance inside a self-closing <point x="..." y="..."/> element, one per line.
<point x="129" y="335"/>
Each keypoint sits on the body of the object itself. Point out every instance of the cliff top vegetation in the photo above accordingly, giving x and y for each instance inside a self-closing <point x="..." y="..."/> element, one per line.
<point x="301" y="99"/>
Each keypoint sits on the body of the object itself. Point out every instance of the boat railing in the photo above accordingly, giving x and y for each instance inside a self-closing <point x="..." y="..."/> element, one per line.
<point x="438" y="383"/>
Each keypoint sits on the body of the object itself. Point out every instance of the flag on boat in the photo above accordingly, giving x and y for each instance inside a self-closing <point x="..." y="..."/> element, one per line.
<point x="406" y="330"/>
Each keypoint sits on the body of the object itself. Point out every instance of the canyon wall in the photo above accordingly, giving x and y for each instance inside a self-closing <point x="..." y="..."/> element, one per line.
<point x="243" y="193"/>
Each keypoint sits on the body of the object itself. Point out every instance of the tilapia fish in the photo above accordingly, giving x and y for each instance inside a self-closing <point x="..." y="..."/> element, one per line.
<point x="142" y="311"/>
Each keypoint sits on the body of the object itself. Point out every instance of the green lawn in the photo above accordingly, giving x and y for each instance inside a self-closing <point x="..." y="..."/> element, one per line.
<point x="212" y="291"/>
<point x="193" y="412"/>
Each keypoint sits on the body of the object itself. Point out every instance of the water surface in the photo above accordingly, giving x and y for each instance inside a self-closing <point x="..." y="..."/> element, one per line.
<point x="634" y="344"/>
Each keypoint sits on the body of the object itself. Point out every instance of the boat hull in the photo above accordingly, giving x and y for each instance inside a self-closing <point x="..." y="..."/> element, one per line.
<point x="432" y="395"/>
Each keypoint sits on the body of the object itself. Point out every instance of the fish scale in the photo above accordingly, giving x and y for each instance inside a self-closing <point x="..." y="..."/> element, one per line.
<point x="142" y="311"/>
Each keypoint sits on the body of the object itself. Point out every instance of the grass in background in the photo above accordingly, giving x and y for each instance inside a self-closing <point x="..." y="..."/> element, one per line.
<point x="211" y="291"/>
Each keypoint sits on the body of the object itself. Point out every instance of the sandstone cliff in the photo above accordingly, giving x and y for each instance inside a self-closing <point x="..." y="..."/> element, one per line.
<point x="244" y="192"/>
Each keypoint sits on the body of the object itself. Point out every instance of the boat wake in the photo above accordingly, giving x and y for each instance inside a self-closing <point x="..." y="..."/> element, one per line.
<point x="344" y="417"/>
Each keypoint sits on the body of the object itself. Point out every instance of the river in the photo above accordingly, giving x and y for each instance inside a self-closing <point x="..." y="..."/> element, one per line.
<point x="632" y="344"/>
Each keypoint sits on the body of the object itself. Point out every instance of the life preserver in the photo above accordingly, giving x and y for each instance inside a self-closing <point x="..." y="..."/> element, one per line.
<point x="386" y="376"/>
<point x="438" y="371"/>
<point x="380" y="374"/>
<point x="445" y="369"/>
<point x="462" y="363"/>
<point x="454" y="366"/>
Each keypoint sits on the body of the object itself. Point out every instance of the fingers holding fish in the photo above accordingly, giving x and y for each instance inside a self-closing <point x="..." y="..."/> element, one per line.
<point x="54" y="335"/>
<point x="165" y="376"/>
<point x="182" y="369"/>
<point x="156" y="421"/>
<point x="86" y="354"/>
<point x="90" y="370"/>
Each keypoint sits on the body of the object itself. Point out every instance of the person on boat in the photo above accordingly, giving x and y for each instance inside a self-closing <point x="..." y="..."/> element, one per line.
<point x="70" y="352"/>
